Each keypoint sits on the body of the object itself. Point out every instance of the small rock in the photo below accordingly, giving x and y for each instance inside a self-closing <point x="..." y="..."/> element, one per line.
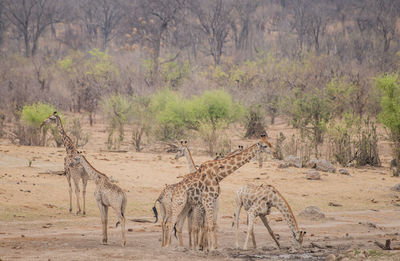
<point x="361" y="256"/>
<point x="330" y="257"/>
<point x="344" y="171"/>
<point x="130" y="230"/>
<point x="294" y="161"/>
<point x="313" y="175"/>
<point x="325" y="165"/>
<point x="396" y="187"/>
<point x="284" y="165"/>
<point x="22" y="235"/>
<point x="313" y="213"/>
<point x="331" y="204"/>
<point x="345" y="259"/>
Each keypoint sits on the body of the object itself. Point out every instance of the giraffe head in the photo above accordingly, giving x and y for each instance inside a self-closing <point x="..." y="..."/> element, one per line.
<point x="77" y="159"/>
<point x="50" y="119"/>
<point x="218" y="156"/>
<point x="181" y="149"/>
<point x="299" y="237"/>
<point x="264" y="145"/>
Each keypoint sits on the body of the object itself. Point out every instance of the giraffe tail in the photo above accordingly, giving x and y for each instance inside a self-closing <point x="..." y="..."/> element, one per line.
<point x="155" y="211"/>
<point x="175" y="231"/>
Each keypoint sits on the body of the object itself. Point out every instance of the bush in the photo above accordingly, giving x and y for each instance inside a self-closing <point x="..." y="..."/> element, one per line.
<point x="142" y="119"/>
<point x="366" y="145"/>
<point x="341" y="139"/>
<point x="214" y="110"/>
<point x="32" y="116"/>
<point x="116" y="109"/>
<point x="390" y="114"/>
<point x="254" y="121"/>
<point x="173" y="114"/>
<point x="310" y="114"/>
<point x="78" y="136"/>
<point x="207" y="114"/>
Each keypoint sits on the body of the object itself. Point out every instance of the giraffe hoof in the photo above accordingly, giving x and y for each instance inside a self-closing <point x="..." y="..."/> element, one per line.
<point x="70" y="210"/>
<point x="84" y="213"/>
<point x="78" y="212"/>
<point x="123" y="243"/>
<point x="104" y="242"/>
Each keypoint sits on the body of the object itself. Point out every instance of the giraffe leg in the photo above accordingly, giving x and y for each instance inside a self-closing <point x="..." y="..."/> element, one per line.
<point x="180" y="222"/>
<point x="77" y="192"/>
<point x="209" y="206"/>
<point x="265" y="221"/>
<point x="84" y="184"/>
<point x="122" y="221"/>
<point x="176" y="209"/>
<point x="250" y="227"/>
<point x="104" y="218"/>
<point x="190" y="220"/>
<point x="68" y="175"/>
<point x="237" y="214"/>
<point x="216" y="209"/>
<point x="163" y="225"/>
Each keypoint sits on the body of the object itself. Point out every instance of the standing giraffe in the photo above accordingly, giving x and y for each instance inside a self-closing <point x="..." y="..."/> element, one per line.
<point x="76" y="172"/>
<point x="257" y="201"/>
<point x="202" y="187"/>
<point x="196" y="215"/>
<point x="107" y="194"/>
<point x="185" y="151"/>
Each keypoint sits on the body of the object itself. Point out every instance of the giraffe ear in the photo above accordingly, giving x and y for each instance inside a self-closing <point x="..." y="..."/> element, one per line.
<point x="181" y="142"/>
<point x="55" y="113"/>
<point x="186" y="142"/>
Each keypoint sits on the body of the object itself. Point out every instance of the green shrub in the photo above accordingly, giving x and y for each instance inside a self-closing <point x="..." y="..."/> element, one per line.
<point x="390" y="114"/>
<point x="310" y="114"/>
<point x="32" y="116"/>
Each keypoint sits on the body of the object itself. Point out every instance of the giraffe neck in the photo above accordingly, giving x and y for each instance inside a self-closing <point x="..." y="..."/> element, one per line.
<point x="281" y="204"/>
<point x="229" y="164"/>
<point x="69" y="145"/>
<point x="188" y="155"/>
<point x="91" y="171"/>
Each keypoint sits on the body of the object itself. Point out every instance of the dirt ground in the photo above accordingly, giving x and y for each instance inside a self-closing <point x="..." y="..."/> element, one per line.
<point x="35" y="223"/>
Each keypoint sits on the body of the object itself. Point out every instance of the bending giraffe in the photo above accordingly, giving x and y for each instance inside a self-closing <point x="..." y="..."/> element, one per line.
<point x="107" y="194"/>
<point x="202" y="187"/>
<point x="76" y="172"/>
<point x="257" y="201"/>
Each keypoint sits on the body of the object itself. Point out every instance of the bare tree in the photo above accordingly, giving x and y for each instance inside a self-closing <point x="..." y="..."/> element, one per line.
<point x="214" y="19"/>
<point x="241" y="26"/>
<point x="32" y="18"/>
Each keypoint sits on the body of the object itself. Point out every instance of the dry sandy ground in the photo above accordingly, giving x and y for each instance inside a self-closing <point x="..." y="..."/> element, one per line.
<point x="35" y="223"/>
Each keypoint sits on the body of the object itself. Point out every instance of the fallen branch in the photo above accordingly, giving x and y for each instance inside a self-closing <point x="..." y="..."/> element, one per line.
<point x="140" y="220"/>
<point x="116" y="151"/>
<point x="386" y="246"/>
<point x="54" y="172"/>
<point x="317" y="245"/>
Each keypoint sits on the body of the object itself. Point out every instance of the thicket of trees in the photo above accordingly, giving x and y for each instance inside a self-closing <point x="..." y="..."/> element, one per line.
<point x="315" y="63"/>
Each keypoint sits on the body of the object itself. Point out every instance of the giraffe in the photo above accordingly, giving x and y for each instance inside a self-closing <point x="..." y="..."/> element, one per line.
<point x="185" y="151"/>
<point x="195" y="215"/>
<point x="107" y="194"/>
<point x="257" y="200"/>
<point x="202" y="187"/>
<point x="76" y="172"/>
